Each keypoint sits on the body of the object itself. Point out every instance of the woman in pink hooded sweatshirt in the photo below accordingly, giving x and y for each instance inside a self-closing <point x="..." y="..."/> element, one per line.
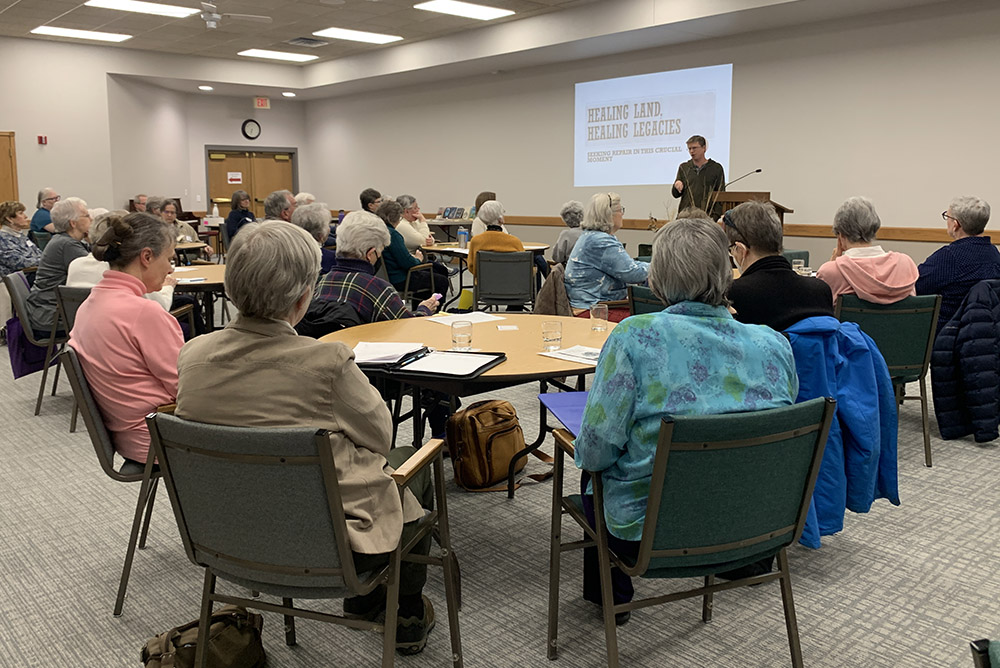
<point x="859" y="265"/>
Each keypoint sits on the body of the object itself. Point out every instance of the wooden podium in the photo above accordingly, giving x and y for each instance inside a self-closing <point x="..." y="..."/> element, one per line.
<point x="733" y="198"/>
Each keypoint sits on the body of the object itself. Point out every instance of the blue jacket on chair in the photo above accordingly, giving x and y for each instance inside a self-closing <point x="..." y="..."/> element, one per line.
<point x="965" y="367"/>
<point x="835" y="359"/>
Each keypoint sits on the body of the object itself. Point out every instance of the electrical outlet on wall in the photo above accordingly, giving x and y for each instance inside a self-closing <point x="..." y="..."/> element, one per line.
<point x="197" y="199"/>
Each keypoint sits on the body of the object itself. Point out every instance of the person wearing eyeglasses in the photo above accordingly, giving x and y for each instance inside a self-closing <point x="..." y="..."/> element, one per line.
<point x="951" y="271"/>
<point x="768" y="291"/>
<point x="41" y="221"/>
<point x="698" y="179"/>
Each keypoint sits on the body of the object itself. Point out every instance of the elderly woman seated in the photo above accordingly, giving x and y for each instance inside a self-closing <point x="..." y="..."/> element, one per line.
<point x="128" y="345"/>
<point x="16" y="250"/>
<point x="571" y="214"/>
<point x="495" y="237"/>
<point x="861" y="267"/>
<point x="599" y="268"/>
<point x="398" y="260"/>
<point x="240" y="213"/>
<point x="692" y="358"/>
<point x="315" y="219"/>
<point x="413" y="226"/>
<point x="270" y="278"/>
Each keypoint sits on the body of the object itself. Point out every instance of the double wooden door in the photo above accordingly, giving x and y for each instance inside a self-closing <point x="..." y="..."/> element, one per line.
<point x="8" y="169"/>
<point x="258" y="172"/>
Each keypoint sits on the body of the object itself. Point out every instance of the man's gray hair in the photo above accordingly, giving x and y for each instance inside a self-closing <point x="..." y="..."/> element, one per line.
<point x="274" y="265"/>
<point x="359" y="232"/>
<point x="406" y="201"/>
<point x="491" y="212"/>
<point x="572" y="213"/>
<point x="304" y="198"/>
<point x="276" y="203"/>
<point x="600" y="211"/>
<point x="315" y="219"/>
<point x="44" y="193"/>
<point x="756" y="225"/>
<point x="155" y="203"/>
<point x="972" y="213"/>
<point x="67" y="210"/>
<point x="857" y="220"/>
<point x="690" y="262"/>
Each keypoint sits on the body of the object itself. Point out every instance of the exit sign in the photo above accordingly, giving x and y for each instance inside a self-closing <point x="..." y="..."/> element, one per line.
<point x="262" y="103"/>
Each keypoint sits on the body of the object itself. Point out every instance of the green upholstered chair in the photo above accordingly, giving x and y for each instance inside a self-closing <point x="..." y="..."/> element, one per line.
<point x="642" y="300"/>
<point x="726" y="491"/>
<point x="985" y="654"/>
<point x="904" y="333"/>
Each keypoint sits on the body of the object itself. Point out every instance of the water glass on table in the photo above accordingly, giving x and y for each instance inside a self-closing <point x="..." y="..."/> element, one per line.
<point x="599" y="317"/>
<point x="798" y="266"/>
<point x="461" y="335"/>
<point x="551" y="335"/>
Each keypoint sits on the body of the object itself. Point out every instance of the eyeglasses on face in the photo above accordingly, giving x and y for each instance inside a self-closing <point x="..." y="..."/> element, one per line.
<point x="728" y="221"/>
<point x="945" y="217"/>
<point x="51" y="199"/>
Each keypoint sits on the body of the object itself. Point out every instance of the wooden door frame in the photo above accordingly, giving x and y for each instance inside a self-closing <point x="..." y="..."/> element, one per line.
<point x="13" y="163"/>
<point x="213" y="148"/>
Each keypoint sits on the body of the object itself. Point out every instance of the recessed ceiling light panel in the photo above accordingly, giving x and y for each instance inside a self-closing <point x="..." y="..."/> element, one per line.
<point x="465" y="9"/>
<point x="80" y="34"/>
<point x="357" y="35"/>
<point x="143" y="7"/>
<point x="205" y="88"/>
<point x="277" y="55"/>
<point x="288" y="93"/>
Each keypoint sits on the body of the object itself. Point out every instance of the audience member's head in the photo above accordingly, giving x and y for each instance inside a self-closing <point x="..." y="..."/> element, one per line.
<point x="94" y="213"/>
<point x="168" y="212"/>
<point x="304" y="198"/>
<point x="235" y="242"/>
<point x="47" y="198"/>
<point x="603" y="213"/>
<point x="755" y="227"/>
<point x="362" y="236"/>
<point x="371" y="200"/>
<point x="272" y="272"/>
<point x="279" y="205"/>
<point x="138" y="238"/>
<point x="71" y="215"/>
<point x="692" y="212"/>
<point x="491" y="213"/>
<point x="315" y="219"/>
<point x="154" y="204"/>
<point x="411" y="210"/>
<point x="857" y="221"/>
<point x="690" y="262"/>
<point x="389" y="211"/>
<point x="483" y="197"/>
<point x="970" y="213"/>
<point x="240" y="200"/>
<point x="572" y="213"/>
<point x="13" y="215"/>
<point x="101" y="222"/>
<point x="139" y="202"/>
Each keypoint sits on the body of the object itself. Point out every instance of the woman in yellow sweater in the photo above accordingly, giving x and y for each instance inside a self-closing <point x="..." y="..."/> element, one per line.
<point x="494" y="238"/>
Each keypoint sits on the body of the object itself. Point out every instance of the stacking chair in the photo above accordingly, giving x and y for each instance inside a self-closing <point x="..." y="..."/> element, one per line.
<point x="642" y="300"/>
<point x="796" y="254"/>
<point x="68" y="301"/>
<point x="504" y="279"/>
<point x="129" y="472"/>
<point x="726" y="491"/>
<point x="262" y="508"/>
<point x="223" y="241"/>
<point x="17" y="286"/>
<point x="40" y="239"/>
<point x="904" y="333"/>
<point x="981" y="654"/>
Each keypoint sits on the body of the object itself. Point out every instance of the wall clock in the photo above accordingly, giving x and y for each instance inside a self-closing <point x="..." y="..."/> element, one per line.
<point x="250" y="129"/>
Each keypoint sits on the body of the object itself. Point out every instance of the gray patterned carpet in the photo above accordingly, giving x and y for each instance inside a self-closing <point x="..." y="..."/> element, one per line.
<point x="906" y="586"/>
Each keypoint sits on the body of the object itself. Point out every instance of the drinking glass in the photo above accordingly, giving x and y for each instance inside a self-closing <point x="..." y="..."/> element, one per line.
<point x="551" y="335"/>
<point x="599" y="317"/>
<point x="461" y="335"/>
<point x="798" y="265"/>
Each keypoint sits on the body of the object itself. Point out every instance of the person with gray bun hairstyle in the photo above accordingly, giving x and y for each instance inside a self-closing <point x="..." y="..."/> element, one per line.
<point x="571" y="214"/>
<point x="861" y="267"/>
<point x="952" y="270"/>
<point x="270" y="278"/>
<point x="128" y="345"/>
<point x="692" y="358"/>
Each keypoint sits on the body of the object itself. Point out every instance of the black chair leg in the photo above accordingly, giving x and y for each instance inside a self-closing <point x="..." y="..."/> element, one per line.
<point x="72" y="420"/>
<point x="149" y="513"/>
<point x="200" y="653"/>
<point x="289" y="623"/>
<point x="786" y="600"/>
<point x="706" y="602"/>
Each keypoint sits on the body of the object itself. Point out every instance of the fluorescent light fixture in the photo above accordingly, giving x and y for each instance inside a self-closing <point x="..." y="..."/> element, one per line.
<point x="288" y="93"/>
<point x="465" y="9"/>
<point x="357" y="35"/>
<point x="206" y="88"/>
<point x="277" y="55"/>
<point x="143" y="7"/>
<point x="80" y="34"/>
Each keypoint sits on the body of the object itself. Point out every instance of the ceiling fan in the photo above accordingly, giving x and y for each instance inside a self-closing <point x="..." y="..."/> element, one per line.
<point x="211" y="16"/>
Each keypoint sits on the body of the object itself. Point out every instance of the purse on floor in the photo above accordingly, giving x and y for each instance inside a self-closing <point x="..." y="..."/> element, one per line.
<point x="233" y="642"/>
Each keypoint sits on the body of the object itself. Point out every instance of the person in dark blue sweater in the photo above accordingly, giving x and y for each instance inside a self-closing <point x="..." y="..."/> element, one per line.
<point x="398" y="260"/>
<point x="241" y="213"/>
<point x="951" y="271"/>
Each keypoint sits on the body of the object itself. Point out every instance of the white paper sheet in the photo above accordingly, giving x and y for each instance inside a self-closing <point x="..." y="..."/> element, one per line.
<point x="381" y="353"/>
<point x="578" y="354"/>
<point x="474" y="317"/>
<point x="448" y="364"/>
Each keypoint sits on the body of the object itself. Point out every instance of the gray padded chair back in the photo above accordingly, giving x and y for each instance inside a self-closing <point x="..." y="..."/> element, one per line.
<point x="796" y="254"/>
<point x="261" y="507"/>
<point x="504" y="278"/>
<point x="17" y="286"/>
<point x="69" y="300"/>
<point x="224" y="236"/>
<point x="99" y="436"/>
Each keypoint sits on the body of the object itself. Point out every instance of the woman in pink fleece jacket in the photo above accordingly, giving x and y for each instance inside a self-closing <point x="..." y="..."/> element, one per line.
<point x="127" y="344"/>
<point x="860" y="266"/>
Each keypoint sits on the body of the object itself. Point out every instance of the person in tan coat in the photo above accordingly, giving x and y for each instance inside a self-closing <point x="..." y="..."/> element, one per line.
<point x="258" y="373"/>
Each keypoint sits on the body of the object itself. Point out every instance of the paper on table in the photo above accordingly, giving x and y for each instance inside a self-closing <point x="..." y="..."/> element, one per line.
<point x="579" y="354"/>
<point x="506" y="328"/>
<point x="180" y="269"/>
<point x="190" y="280"/>
<point x="449" y="364"/>
<point x="383" y="352"/>
<point x="473" y="317"/>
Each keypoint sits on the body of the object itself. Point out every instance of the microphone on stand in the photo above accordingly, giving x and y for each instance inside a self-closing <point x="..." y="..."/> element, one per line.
<point x="756" y="171"/>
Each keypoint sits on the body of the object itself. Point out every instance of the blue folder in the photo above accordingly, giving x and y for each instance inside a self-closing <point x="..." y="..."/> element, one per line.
<point x="567" y="407"/>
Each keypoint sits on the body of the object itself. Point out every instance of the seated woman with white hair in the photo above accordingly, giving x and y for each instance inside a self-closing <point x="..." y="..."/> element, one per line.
<point x="315" y="219"/>
<point x="571" y="214"/>
<point x="861" y="267"/>
<point x="692" y="358"/>
<point x="413" y="226"/>
<point x="599" y="268"/>
<point x="270" y="278"/>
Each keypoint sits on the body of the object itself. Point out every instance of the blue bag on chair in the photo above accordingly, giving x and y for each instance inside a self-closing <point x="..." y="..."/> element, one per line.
<point x="25" y="357"/>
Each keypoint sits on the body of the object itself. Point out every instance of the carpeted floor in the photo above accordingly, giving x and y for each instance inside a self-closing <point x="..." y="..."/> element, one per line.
<point x="902" y="586"/>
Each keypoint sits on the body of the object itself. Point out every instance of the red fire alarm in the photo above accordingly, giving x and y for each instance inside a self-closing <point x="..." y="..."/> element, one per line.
<point x="43" y="140"/>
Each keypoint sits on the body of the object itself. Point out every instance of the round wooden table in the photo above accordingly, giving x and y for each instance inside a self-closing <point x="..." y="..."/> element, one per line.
<point x="212" y="281"/>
